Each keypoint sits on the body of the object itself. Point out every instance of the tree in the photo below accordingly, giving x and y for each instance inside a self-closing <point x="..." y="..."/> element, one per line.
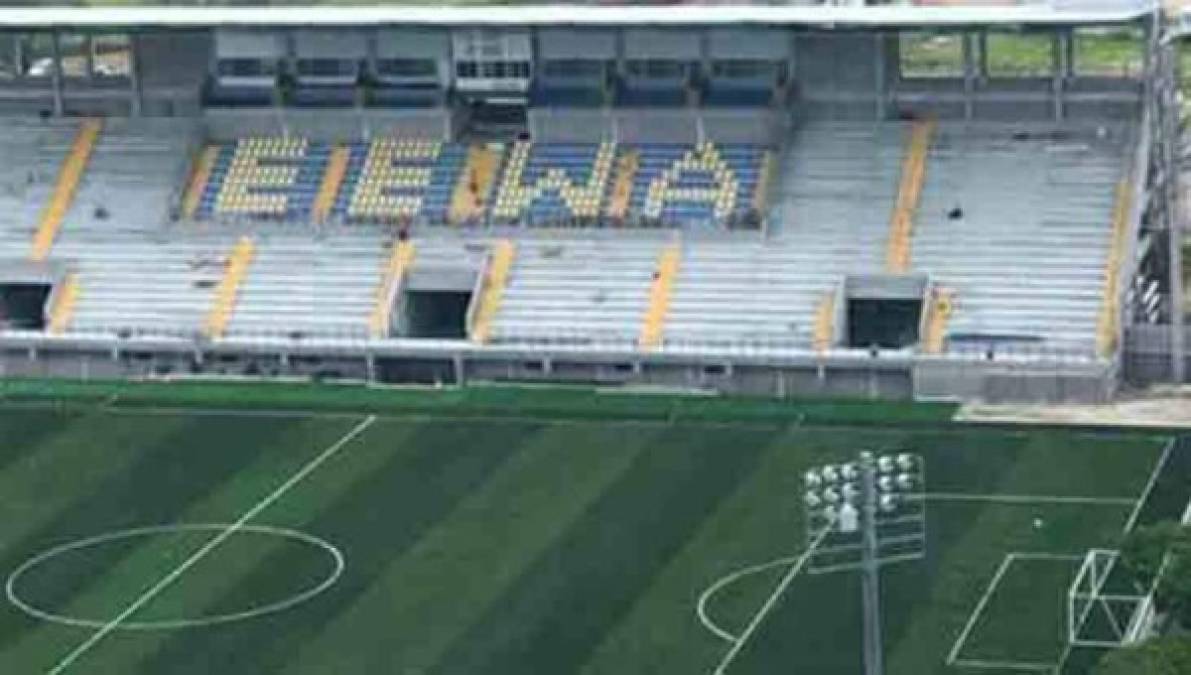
<point x="1143" y="554"/>
<point x="1170" y="655"/>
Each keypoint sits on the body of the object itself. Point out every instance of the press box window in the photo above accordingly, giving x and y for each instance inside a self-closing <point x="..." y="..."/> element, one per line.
<point x="246" y="68"/>
<point x="407" y="67"/>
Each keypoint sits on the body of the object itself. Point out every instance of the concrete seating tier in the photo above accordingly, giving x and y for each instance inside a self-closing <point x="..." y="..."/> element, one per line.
<point x="134" y="174"/>
<point x="1016" y="220"/>
<point x="577" y="290"/>
<point x="33" y="153"/>
<point x="136" y="285"/>
<point x="829" y="218"/>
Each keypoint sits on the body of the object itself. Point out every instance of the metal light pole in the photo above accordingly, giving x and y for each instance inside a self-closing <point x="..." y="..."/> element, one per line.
<point x="870" y="575"/>
<point x="860" y="516"/>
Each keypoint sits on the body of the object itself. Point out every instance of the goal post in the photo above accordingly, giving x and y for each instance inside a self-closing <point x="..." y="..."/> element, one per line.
<point x="1101" y="613"/>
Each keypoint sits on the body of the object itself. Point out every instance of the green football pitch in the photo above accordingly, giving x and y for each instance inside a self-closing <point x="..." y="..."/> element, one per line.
<point x="136" y="540"/>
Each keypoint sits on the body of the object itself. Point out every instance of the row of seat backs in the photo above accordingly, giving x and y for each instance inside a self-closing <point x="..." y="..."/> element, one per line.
<point x="405" y="179"/>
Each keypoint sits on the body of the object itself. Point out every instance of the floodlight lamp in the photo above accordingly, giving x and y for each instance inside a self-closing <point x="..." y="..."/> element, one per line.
<point x="829" y="514"/>
<point x="849" y="471"/>
<point x="830" y="474"/>
<point x="850" y="492"/>
<point x="831" y="496"/>
<point x="888" y="503"/>
<point x="812" y="479"/>
<point x="885" y="464"/>
<point x="813" y="500"/>
<point x="905" y="461"/>
<point x="885" y="483"/>
<point x="905" y="482"/>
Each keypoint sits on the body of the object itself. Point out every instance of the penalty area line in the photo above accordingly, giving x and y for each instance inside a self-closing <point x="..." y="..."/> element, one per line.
<point x="210" y="546"/>
<point x="1027" y="499"/>
<point x="975" y="615"/>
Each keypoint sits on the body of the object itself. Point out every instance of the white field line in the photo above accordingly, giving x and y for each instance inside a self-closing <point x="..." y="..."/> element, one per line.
<point x="986" y="664"/>
<point x="1027" y="499"/>
<point x="1004" y="665"/>
<point x="1145" y="493"/>
<point x="265" y="413"/>
<point x="1063" y="658"/>
<point x="211" y="545"/>
<point x="975" y="616"/>
<point x="728" y="580"/>
<point x="770" y="603"/>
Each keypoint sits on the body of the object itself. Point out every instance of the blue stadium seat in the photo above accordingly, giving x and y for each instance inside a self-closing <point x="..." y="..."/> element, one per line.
<point x="265" y="177"/>
<point x="545" y="184"/>
<point x="400" y="180"/>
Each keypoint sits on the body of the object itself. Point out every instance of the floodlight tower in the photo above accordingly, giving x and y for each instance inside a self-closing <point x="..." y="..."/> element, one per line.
<point x="862" y="515"/>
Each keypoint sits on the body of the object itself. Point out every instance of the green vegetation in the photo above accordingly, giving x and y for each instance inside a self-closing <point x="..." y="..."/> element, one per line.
<point x="1020" y="54"/>
<point x="527" y="540"/>
<point x="1162" y="552"/>
<point x="931" y="54"/>
<point x="1165" y="656"/>
<point x="1111" y="52"/>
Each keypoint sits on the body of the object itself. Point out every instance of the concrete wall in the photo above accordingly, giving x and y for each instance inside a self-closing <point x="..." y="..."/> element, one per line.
<point x="860" y="378"/>
<point x="636" y="125"/>
<point x="346" y="125"/>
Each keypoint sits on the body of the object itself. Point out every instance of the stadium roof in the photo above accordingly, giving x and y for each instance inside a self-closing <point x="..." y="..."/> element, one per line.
<point x="1039" y="13"/>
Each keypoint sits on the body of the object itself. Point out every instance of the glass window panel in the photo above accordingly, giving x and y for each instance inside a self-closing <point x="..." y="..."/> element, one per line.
<point x="573" y="68"/>
<point x="37" y="55"/>
<point x="742" y="68"/>
<point x="1108" y="52"/>
<point x="246" y="68"/>
<point x="467" y="69"/>
<point x="9" y="66"/>
<point x="931" y="54"/>
<point x="656" y="69"/>
<point x="407" y="67"/>
<point x="111" y="56"/>
<point x="325" y="67"/>
<point x="1020" y="55"/>
<point x="76" y="52"/>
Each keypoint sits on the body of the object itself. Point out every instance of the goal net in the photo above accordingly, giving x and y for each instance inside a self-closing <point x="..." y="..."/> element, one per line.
<point x="1103" y="608"/>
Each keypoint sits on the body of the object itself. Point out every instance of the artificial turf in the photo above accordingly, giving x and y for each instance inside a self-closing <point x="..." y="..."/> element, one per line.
<point x="479" y="544"/>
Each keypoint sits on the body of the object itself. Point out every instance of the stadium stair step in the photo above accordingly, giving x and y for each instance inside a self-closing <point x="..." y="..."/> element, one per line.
<point x="228" y="290"/>
<point x="1110" y="314"/>
<point x="476" y="183"/>
<point x="392" y="277"/>
<point x="942" y="305"/>
<point x="64" y="190"/>
<point x="332" y="180"/>
<point x="62" y="308"/>
<point x="659" y="297"/>
<point x="622" y="188"/>
<point x="901" y="227"/>
<point x="204" y="164"/>
<point x="824" y="335"/>
<point x="495" y="279"/>
<point x="765" y="179"/>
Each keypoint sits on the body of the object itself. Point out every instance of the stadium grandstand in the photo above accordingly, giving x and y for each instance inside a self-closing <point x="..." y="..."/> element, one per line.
<point x="782" y="200"/>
